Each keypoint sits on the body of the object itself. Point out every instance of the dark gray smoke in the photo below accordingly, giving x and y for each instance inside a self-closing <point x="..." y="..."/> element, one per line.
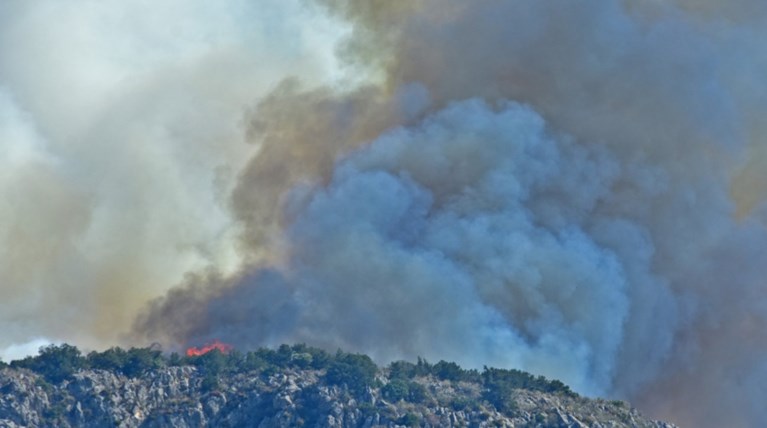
<point x="572" y="188"/>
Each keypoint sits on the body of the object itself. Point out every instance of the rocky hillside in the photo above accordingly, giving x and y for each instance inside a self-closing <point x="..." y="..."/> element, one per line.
<point x="290" y="387"/>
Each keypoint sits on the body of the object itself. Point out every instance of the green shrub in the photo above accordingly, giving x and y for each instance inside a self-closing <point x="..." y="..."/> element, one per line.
<point x="302" y="360"/>
<point x="213" y="362"/>
<point x="140" y="360"/>
<point x="113" y="359"/>
<point x="422" y="367"/>
<point x="132" y="363"/>
<point x="410" y="420"/>
<point x="504" y="381"/>
<point x="54" y="362"/>
<point x="418" y="392"/>
<point x="356" y="371"/>
<point x="210" y="383"/>
<point x="402" y="370"/>
<point x="396" y="390"/>
<point x="447" y="371"/>
<point x="320" y="358"/>
<point x="253" y="362"/>
<point x="460" y="403"/>
<point x="175" y="360"/>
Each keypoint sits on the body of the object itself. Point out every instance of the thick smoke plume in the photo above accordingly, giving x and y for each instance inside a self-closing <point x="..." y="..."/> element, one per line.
<point x="573" y="188"/>
<point x="578" y="189"/>
<point x="121" y="135"/>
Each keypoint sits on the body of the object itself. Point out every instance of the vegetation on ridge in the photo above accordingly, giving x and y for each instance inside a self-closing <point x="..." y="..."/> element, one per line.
<point x="357" y="372"/>
<point x="285" y="387"/>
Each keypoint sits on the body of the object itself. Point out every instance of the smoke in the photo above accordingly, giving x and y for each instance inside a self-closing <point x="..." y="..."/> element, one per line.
<point x="121" y="134"/>
<point x="575" y="189"/>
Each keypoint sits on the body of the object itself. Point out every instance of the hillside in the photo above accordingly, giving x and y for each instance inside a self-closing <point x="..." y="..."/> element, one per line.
<point x="288" y="387"/>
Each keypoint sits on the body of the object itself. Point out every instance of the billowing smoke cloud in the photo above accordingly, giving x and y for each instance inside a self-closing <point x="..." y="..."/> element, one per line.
<point x="573" y="188"/>
<point x="121" y="134"/>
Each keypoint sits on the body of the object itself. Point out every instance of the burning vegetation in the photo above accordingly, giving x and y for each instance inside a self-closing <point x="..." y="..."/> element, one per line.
<point x="196" y="352"/>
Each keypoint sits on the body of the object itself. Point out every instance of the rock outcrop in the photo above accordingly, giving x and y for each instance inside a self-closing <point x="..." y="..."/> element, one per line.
<point x="183" y="397"/>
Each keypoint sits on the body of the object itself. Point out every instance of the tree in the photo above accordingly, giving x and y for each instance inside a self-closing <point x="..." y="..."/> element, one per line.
<point x="403" y="389"/>
<point x="175" y="360"/>
<point x="422" y="367"/>
<point x="410" y="420"/>
<point x="418" y="392"/>
<point x="235" y="361"/>
<point x="448" y="371"/>
<point x="309" y="357"/>
<point x="356" y="371"/>
<point x="253" y="362"/>
<point x="113" y="359"/>
<point x="402" y="370"/>
<point x="213" y="363"/>
<point x="283" y="356"/>
<point x="54" y="362"/>
<point x="210" y="383"/>
<point x="140" y="360"/>
<point x="396" y="390"/>
<point x="500" y="385"/>
<point x="302" y="360"/>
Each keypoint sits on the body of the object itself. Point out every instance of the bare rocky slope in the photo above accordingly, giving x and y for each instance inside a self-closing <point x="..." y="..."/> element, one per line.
<point x="345" y="390"/>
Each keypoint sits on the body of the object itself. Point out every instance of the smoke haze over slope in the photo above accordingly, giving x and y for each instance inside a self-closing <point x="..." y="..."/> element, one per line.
<point x="575" y="189"/>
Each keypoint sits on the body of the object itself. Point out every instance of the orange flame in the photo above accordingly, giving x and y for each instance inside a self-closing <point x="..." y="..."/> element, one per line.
<point x="196" y="352"/>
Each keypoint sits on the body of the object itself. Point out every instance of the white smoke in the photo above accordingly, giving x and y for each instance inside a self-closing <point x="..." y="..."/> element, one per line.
<point x="121" y="134"/>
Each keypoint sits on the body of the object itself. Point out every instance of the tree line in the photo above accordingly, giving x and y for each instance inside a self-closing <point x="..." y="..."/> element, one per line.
<point x="56" y="363"/>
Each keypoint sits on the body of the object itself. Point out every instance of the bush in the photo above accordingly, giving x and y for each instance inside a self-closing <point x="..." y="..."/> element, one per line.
<point x="461" y="403"/>
<point x="253" y="362"/>
<point x="175" y="360"/>
<point x="141" y="360"/>
<point x="422" y="367"/>
<point x="268" y="356"/>
<point x="357" y="371"/>
<point x="302" y="360"/>
<point x="235" y="361"/>
<point x="297" y="356"/>
<point x="401" y="389"/>
<point x="410" y="420"/>
<point x="113" y="359"/>
<point x="396" y="390"/>
<point x="212" y="363"/>
<point x="499" y="385"/>
<point x="418" y="392"/>
<point x="320" y="358"/>
<point x="54" y="363"/>
<point x="283" y="356"/>
<point x="402" y="370"/>
<point x="132" y="362"/>
<point x="448" y="371"/>
<point x="210" y="383"/>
